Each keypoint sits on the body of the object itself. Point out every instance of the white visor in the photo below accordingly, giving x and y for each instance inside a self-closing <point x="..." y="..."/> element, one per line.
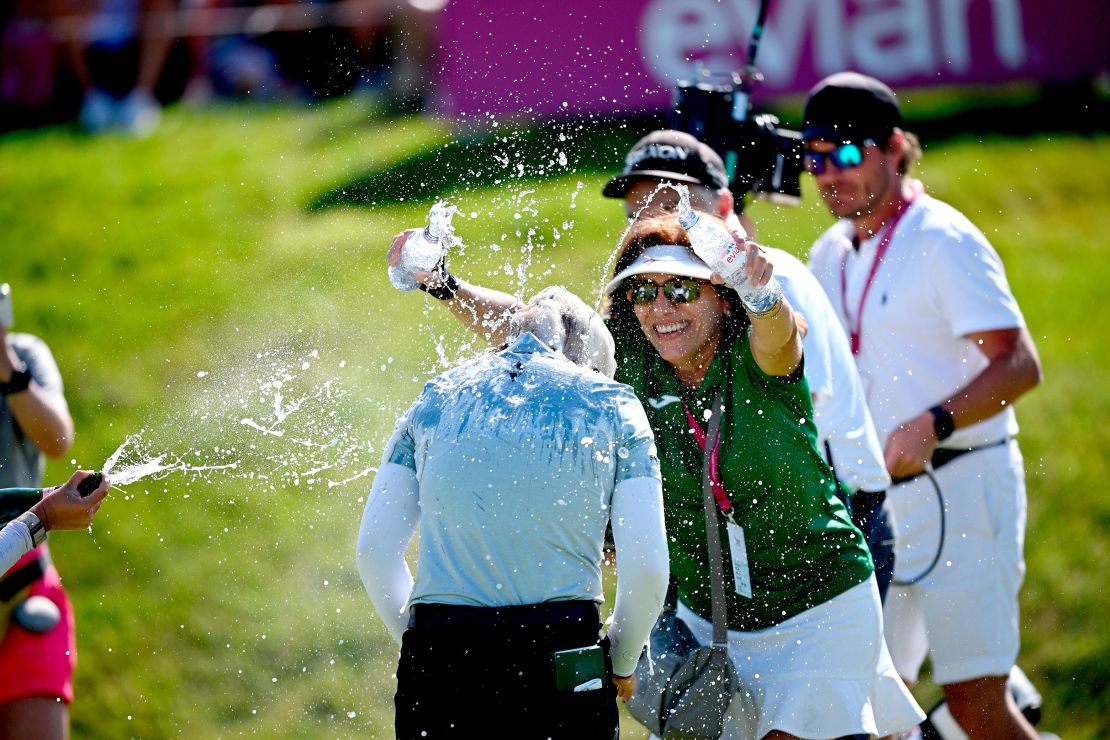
<point x="665" y="259"/>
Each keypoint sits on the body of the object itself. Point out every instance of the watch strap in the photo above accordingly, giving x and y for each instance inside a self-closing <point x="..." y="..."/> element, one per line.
<point x="943" y="423"/>
<point x="19" y="381"/>
<point x="34" y="526"/>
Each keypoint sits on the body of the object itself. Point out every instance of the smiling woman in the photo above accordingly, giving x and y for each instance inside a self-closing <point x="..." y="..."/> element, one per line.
<point x="685" y="327"/>
<point x="805" y="627"/>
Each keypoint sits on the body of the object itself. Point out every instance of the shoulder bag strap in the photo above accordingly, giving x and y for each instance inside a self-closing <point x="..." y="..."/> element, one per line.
<point x="716" y="562"/>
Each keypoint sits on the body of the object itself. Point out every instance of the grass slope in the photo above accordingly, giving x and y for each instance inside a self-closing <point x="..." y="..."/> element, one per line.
<point x="225" y="605"/>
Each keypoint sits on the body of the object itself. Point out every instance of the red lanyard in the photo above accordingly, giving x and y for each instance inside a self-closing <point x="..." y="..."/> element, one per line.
<point x="856" y="331"/>
<point x="719" y="491"/>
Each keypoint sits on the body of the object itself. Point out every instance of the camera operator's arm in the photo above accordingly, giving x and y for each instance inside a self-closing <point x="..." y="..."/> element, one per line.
<point x="483" y="310"/>
<point x="43" y="417"/>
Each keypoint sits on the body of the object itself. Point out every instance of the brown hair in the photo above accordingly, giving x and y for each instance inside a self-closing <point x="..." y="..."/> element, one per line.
<point x="645" y="233"/>
<point x="911" y="153"/>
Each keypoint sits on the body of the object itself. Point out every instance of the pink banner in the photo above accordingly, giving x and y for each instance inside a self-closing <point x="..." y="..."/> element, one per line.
<point x="575" y="58"/>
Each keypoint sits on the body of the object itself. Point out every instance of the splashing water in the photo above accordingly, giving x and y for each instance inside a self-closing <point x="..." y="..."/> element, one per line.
<point x="273" y="423"/>
<point x="607" y="270"/>
<point x="157" y="468"/>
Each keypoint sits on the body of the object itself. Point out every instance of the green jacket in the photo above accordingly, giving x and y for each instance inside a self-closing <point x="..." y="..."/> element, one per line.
<point x="802" y="546"/>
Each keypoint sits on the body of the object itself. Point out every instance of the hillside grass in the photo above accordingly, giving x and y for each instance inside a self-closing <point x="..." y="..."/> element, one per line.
<point x="159" y="270"/>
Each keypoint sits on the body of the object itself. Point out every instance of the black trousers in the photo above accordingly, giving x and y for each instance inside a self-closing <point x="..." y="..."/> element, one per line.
<point x="470" y="672"/>
<point x="868" y="514"/>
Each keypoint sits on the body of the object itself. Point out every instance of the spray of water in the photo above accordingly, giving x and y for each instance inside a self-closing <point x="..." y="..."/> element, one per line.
<point x="607" y="269"/>
<point x="274" y="421"/>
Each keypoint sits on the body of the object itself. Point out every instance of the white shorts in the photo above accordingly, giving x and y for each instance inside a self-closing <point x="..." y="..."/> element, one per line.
<point x="964" y="613"/>
<point x="823" y="673"/>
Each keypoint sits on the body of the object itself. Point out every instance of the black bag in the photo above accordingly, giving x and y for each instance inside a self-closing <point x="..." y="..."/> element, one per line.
<point x="684" y="690"/>
<point x="689" y="690"/>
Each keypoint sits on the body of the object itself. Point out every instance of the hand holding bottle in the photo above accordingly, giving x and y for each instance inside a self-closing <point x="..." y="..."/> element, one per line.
<point x="416" y="251"/>
<point x="757" y="268"/>
<point x="738" y="261"/>
<point x="413" y="252"/>
<point x="436" y="281"/>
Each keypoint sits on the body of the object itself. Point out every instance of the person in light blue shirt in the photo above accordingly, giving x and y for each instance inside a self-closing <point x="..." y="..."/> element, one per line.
<point x="512" y="465"/>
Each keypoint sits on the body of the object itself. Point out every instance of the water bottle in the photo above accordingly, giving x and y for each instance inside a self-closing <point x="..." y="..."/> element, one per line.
<point x="715" y="246"/>
<point x="423" y="251"/>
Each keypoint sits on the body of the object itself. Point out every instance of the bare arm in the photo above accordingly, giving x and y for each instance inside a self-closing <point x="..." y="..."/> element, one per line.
<point x="484" y="311"/>
<point x="1014" y="368"/>
<point x="776" y="336"/>
<point x="44" y="420"/>
<point x="777" y="340"/>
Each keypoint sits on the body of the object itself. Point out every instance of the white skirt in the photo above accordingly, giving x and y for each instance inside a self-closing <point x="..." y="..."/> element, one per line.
<point x="821" y="674"/>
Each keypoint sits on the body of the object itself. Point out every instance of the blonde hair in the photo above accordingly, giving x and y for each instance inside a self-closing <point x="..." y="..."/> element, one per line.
<point x="564" y="322"/>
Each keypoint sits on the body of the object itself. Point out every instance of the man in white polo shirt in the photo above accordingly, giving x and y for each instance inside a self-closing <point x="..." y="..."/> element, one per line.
<point x="943" y="351"/>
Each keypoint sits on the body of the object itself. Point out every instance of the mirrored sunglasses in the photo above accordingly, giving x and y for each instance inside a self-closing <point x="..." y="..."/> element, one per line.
<point x="676" y="290"/>
<point x="844" y="157"/>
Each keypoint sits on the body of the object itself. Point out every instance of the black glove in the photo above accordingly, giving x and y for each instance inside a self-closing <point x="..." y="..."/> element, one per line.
<point x="443" y="286"/>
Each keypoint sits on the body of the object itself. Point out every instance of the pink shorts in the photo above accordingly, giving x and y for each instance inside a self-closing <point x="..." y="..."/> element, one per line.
<point x="32" y="664"/>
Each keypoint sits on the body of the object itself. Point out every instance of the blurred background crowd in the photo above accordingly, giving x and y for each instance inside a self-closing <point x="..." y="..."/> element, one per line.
<point x="113" y="64"/>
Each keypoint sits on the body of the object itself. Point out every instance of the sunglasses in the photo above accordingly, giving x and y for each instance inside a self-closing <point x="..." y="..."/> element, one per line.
<point x="844" y="157"/>
<point x="677" y="291"/>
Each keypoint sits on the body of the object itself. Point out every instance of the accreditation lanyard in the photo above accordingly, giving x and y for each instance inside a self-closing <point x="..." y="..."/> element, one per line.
<point x="719" y="492"/>
<point x="855" y="332"/>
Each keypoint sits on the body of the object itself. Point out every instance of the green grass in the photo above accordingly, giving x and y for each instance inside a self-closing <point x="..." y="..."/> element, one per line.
<point x="223" y="605"/>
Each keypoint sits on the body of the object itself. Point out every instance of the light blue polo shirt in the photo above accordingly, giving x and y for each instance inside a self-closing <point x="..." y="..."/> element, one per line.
<point x="517" y="454"/>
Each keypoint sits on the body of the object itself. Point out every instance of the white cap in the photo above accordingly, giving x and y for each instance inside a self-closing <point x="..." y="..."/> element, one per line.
<point x="666" y="259"/>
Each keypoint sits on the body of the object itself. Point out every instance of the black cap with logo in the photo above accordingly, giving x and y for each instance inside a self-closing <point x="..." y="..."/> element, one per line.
<point x="848" y="106"/>
<point x="669" y="155"/>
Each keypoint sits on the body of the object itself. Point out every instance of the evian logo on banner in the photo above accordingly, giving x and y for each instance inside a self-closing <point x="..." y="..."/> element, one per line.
<point x="655" y="151"/>
<point x="891" y="40"/>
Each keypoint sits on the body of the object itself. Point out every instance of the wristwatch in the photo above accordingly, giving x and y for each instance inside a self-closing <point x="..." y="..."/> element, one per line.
<point x="34" y="526"/>
<point x="19" y="381"/>
<point x="943" y="423"/>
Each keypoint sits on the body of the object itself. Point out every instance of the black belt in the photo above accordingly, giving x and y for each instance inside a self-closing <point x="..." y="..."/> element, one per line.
<point x="17" y="580"/>
<point x="944" y="455"/>
<point x="451" y="616"/>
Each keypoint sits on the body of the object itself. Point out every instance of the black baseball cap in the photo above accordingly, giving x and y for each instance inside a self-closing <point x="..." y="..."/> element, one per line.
<point x="848" y="106"/>
<point x="669" y="155"/>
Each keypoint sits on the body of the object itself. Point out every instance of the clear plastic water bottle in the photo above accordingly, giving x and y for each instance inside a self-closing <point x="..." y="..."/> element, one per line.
<point x="423" y="251"/>
<point x="715" y="246"/>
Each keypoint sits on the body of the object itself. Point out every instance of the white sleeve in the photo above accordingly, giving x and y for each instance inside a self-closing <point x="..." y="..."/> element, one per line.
<point x="971" y="287"/>
<point x="388" y="523"/>
<point x="808" y="298"/>
<point x="15" y="541"/>
<point x="642" y="568"/>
